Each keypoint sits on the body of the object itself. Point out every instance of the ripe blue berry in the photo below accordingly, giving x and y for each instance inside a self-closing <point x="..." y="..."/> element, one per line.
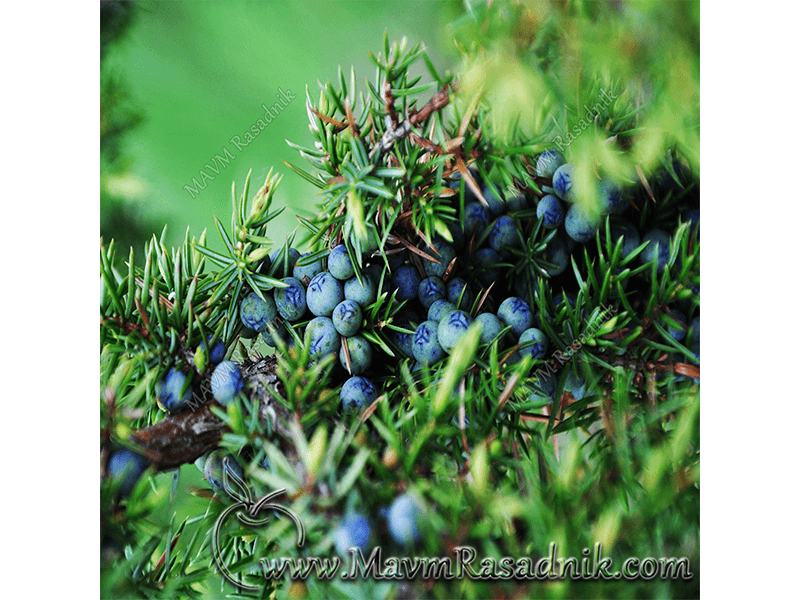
<point x="217" y="352"/>
<point x="517" y="203"/>
<point x="491" y="327"/>
<point x="610" y="201"/>
<point x="526" y="283"/>
<point x="256" y="312"/>
<point x="548" y="162"/>
<point x="581" y="224"/>
<point x="657" y="248"/>
<point x="347" y="317"/>
<point x="694" y="331"/>
<point x="485" y="262"/>
<point x="246" y="333"/>
<point x="226" y="382"/>
<point x="551" y="211"/>
<point x="396" y="260"/>
<point x="458" y="294"/>
<point x="175" y="391"/>
<point x="406" y="281"/>
<point x="364" y="292"/>
<point x="469" y="195"/>
<point x="497" y="205"/>
<point x="401" y="339"/>
<point x="375" y="273"/>
<point x="352" y="533"/>
<point x="561" y="297"/>
<point x="439" y="309"/>
<point x="534" y="342"/>
<point x="357" y="392"/>
<point x="452" y="328"/>
<point x="403" y="520"/>
<point x="321" y="337"/>
<point x="360" y="354"/>
<point x="457" y="234"/>
<point x="426" y="347"/>
<point x="693" y="217"/>
<point x="323" y="294"/>
<point x="444" y="253"/>
<point x="476" y="218"/>
<point x="217" y="464"/>
<point x="284" y="267"/>
<point x="562" y="182"/>
<point x="339" y="263"/>
<point x="431" y="289"/>
<point x="575" y="384"/>
<point x="291" y="300"/>
<point x="682" y="172"/>
<point x="278" y="330"/>
<point x="504" y="235"/>
<point x="516" y="313"/>
<point x="310" y="270"/>
<point x="126" y="467"/>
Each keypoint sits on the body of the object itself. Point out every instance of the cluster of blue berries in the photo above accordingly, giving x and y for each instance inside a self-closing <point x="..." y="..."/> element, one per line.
<point x="436" y="337"/>
<point x="655" y="245"/>
<point x="176" y="389"/>
<point x="441" y="295"/>
<point x="580" y="221"/>
<point x="323" y="301"/>
<point x="403" y="518"/>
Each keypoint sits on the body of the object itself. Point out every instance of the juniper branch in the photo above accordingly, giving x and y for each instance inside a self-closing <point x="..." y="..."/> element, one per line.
<point x="192" y="432"/>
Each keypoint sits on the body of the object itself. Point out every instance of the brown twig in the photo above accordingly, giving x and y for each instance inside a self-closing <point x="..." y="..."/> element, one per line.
<point x="181" y="438"/>
<point x="337" y="124"/>
<point x="184" y="436"/>
<point x="398" y="130"/>
<point x="127" y="326"/>
<point x="351" y="122"/>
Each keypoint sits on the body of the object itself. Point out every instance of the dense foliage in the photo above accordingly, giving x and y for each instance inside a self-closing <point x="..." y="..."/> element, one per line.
<point x="488" y="336"/>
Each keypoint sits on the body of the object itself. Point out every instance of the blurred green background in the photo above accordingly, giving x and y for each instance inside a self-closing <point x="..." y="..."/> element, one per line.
<point x="197" y="73"/>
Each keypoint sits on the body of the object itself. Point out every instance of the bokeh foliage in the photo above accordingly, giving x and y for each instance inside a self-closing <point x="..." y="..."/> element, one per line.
<point x="539" y="65"/>
<point x="120" y="213"/>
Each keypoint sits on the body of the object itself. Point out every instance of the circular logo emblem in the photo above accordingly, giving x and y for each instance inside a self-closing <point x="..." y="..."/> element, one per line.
<point x="246" y="508"/>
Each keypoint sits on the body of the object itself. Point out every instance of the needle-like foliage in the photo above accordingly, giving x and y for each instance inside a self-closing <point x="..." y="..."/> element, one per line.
<point x="594" y="441"/>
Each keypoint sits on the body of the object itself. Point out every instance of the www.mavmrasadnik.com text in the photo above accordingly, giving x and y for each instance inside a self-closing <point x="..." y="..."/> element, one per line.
<point x="465" y="564"/>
